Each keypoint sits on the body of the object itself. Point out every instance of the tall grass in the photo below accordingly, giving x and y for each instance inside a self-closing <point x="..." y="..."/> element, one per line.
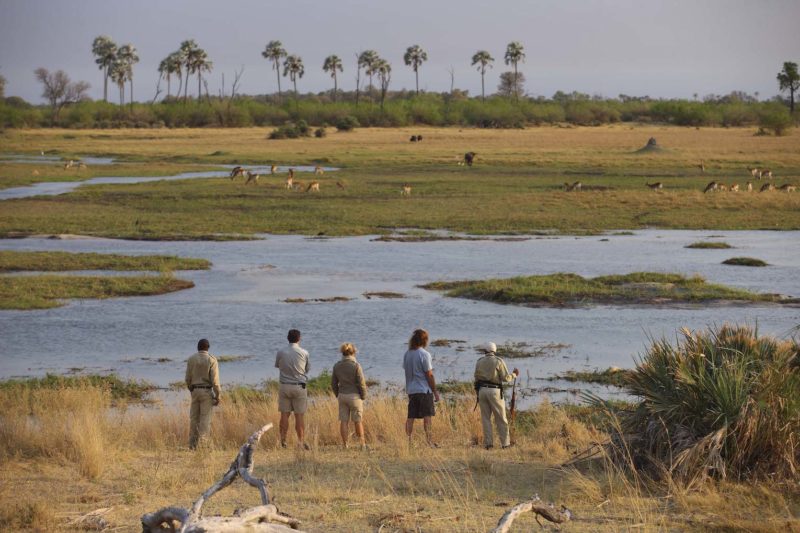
<point x="721" y="403"/>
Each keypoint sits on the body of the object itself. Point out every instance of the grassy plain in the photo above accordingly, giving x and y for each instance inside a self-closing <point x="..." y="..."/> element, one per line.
<point x="65" y="453"/>
<point x="572" y="289"/>
<point x="14" y="261"/>
<point x="516" y="185"/>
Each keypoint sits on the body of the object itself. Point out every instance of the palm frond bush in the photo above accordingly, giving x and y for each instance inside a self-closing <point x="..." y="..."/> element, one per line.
<point x="721" y="403"/>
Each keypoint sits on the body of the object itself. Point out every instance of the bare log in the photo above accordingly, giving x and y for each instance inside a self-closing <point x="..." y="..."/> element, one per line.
<point x="254" y="519"/>
<point x="548" y="512"/>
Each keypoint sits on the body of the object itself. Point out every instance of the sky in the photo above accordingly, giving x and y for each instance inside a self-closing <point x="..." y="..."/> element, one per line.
<point x="667" y="49"/>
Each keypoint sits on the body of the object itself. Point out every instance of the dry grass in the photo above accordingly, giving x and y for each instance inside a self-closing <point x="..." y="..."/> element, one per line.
<point x="66" y="453"/>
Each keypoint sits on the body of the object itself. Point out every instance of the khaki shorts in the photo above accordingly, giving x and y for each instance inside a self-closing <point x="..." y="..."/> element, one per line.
<point x="292" y="399"/>
<point x="351" y="407"/>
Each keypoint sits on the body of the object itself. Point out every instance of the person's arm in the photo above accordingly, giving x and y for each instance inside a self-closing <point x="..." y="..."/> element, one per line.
<point x="189" y="374"/>
<point x="361" y="382"/>
<point x="335" y="382"/>
<point x="278" y="359"/>
<point x="432" y="384"/>
<point x="214" y="378"/>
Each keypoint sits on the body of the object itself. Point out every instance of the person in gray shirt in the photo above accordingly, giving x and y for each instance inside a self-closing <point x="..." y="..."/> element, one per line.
<point x="292" y="395"/>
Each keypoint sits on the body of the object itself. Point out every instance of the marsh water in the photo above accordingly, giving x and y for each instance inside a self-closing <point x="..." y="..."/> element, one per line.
<point x="240" y="304"/>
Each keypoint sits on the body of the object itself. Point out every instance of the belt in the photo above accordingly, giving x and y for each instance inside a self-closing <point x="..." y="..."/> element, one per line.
<point x="202" y="387"/>
<point x="482" y="384"/>
<point x="295" y="384"/>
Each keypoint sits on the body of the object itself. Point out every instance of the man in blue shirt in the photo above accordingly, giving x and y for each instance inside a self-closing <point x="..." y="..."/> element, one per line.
<point x="420" y="384"/>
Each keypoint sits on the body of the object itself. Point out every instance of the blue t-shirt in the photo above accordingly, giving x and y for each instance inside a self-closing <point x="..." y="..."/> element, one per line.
<point x="417" y="363"/>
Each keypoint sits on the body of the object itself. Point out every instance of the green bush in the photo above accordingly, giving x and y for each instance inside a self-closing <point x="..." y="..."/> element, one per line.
<point x="775" y="118"/>
<point x="320" y="133"/>
<point x="722" y="403"/>
<point x="291" y="130"/>
<point x="347" y="123"/>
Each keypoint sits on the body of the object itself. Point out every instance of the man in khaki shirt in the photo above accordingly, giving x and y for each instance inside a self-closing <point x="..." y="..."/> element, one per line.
<point x="350" y="388"/>
<point x="491" y="373"/>
<point x="202" y="380"/>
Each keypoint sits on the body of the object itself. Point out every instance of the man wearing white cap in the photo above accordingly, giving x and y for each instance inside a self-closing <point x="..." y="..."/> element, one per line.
<point x="491" y="373"/>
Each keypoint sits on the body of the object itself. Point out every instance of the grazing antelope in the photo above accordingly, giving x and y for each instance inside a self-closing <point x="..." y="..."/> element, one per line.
<point x="69" y="164"/>
<point x="657" y="186"/>
<point x="713" y="186"/>
<point x="313" y="187"/>
<point x="788" y="187"/>
<point x="273" y="169"/>
<point x="35" y="172"/>
<point x="298" y="185"/>
<point x="702" y="167"/>
<point x="406" y="191"/>
<point x="766" y="173"/>
<point x="251" y="176"/>
<point x="574" y="187"/>
<point x="413" y="139"/>
<point x="318" y="171"/>
<point x="237" y="171"/>
<point x="754" y="172"/>
<point x="289" y="182"/>
<point x="291" y="173"/>
<point x="340" y="185"/>
<point x="469" y="157"/>
<point x="767" y="187"/>
<point x="749" y="187"/>
<point x="734" y="187"/>
<point x="81" y="165"/>
<point x="419" y="138"/>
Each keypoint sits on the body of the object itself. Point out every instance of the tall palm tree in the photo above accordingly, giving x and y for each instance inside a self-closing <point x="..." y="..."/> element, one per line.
<point x="332" y="64"/>
<point x="367" y="61"/>
<point x="515" y="53"/>
<point x="199" y="64"/>
<point x="483" y="59"/>
<point x="384" y="71"/>
<point x="105" y="51"/>
<point x="128" y="57"/>
<point x="293" y="67"/>
<point x="118" y="72"/>
<point x="186" y="53"/>
<point x="170" y="65"/>
<point x="274" y="52"/>
<point x="414" y="57"/>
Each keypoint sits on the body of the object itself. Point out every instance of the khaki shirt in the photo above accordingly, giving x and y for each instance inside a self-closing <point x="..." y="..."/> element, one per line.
<point x="293" y="364"/>
<point x="492" y="369"/>
<point x="348" y="378"/>
<point x="202" y="369"/>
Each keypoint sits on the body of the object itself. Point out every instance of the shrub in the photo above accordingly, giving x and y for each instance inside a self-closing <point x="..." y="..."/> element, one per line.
<point x="291" y="130"/>
<point x="347" y="123"/>
<point x="722" y="403"/>
<point x="320" y="133"/>
<point x="776" y="118"/>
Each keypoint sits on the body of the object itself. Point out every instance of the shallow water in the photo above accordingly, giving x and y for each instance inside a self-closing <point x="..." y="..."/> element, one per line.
<point x="239" y="306"/>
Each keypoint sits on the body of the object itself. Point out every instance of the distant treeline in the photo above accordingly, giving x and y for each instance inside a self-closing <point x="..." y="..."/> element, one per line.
<point x="402" y="109"/>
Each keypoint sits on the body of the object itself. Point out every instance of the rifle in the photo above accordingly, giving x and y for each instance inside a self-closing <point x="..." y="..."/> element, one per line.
<point x="513" y="409"/>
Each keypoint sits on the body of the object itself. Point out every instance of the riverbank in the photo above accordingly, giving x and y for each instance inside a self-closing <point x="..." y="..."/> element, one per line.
<point x="87" y="461"/>
<point x="516" y="185"/>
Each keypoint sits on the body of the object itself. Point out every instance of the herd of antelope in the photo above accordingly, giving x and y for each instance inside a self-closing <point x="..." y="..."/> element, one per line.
<point x="718" y="186"/>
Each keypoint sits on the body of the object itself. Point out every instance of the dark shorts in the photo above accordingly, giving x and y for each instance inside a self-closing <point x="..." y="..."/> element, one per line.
<point x="421" y="405"/>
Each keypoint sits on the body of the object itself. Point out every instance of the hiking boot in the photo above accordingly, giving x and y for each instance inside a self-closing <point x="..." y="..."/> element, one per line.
<point x="507" y="446"/>
<point x="283" y="444"/>
<point x="489" y="447"/>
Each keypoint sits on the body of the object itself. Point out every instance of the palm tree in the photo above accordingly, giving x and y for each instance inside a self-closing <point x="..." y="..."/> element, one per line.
<point x="367" y="61"/>
<point x="168" y="66"/>
<point x="128" y="57"/>
<point x="384" y="71"/>
<point x="483" y="59"/>
<point x="199" y="64"/>
<point x="105" y="50"/>
<point x="414" y="57"/>
<point x="274" y="52"/>
<point x="332" y="64"/>
<point x="186" y="53"/>
<point x="515" y="53"/>
<point x="119" y="74"/>
<point x="293" y="67"/>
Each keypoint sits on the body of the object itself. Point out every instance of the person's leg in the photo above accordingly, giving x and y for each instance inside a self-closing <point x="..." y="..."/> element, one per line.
<point x="484" y="400"/>
<point x="498" y="407"/>
<point x="206" y="408"/>
<point x="409" y="427"/>
<point x="300" y="427"/>
<point x="360" y="432"/>
<point x="426" y="422"/>
<point x="284" y="427"/>
<point x="343" y="431"/>
<point x="194" y="422"/>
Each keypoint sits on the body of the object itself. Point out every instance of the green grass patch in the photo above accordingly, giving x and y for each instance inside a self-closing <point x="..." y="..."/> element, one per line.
<point x="232" y="358"/>
<point x="708" y="245"/>
<point x="745" y="261"/>
<point x="13" y="261"/>
<point x="521" y="350"/>
<point x="610" y="376"/>
<point x="455" y="387"/>
<point x="47" y="291"/>
<point x="119" y="388"/>
<point x="572" y="289"/>
<point x="383" y="295"/>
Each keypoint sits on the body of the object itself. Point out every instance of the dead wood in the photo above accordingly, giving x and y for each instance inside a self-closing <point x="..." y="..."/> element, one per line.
<point x="548" y="512"/>
<point x="260" y="518"/>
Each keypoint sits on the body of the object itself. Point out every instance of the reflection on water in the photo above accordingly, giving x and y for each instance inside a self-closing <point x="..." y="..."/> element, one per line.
<point x="239" y="305"/>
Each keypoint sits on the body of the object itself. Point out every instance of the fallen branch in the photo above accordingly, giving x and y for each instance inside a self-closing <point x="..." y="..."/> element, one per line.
<point x="548" y="512"/>
<point x="254" y="519"/>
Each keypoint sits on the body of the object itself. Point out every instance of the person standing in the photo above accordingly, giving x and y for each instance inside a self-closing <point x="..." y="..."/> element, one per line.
<point x="292" y="395"/>
<point x="202" y="380"/>
<point x="350" y="387"/>
<point x="491" y="373"/>
<point x="420" y="384"/>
